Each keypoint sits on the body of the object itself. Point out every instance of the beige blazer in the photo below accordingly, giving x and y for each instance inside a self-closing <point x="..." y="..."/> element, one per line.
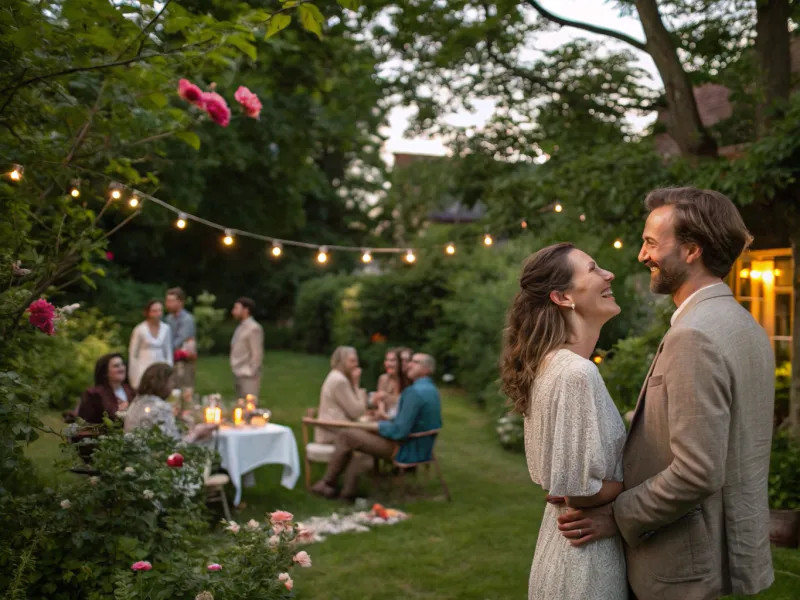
<point x="340" y="401"/>
<point x="694" y="513"/>
<point x="247" y="349"/>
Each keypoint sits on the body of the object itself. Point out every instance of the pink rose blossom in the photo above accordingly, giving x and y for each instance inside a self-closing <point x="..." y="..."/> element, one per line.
<point x="274" y="541"/>
<point x="142" y="565"/>
<point x="42" y="316"/>
<point x="109" y="256"/>
<point x="252" y="524"/>
<point x="217" y="108"/>
<point x="302" y="558"/>
<point x="280" y="516"/>
<point x="214" y="567"/>
<point x="233" y="527"/>
<point x="190" y="92"/>
<point x="249" y="101"/>
<point x="304" y="535"/>
<point x="287" y="581"/>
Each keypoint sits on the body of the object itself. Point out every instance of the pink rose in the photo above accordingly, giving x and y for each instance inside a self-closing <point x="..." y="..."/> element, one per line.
<point x="217" y="108"/>
<point x="287" y="581"/>
<point x="190" y="92"/>
<point x="280" y="516"/>
<point x="42" y="315"/>
<point x="109" y="256"/>
<point x="214" y="567"/>
<point x="304" y="535"/>
<point x="302" y="558"/>
<point x="249" y="101"/>
<point x="142" y="565"/>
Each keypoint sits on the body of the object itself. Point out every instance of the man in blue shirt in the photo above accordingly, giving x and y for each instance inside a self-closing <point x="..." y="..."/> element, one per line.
<point x="419" y="410"/>
<point x="181" y="324"/>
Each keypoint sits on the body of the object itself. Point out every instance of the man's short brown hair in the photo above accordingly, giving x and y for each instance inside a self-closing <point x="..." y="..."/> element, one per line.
<point x="708" y="219"/>
<point x="248" y="303"/>
<point x="178" y="293"/>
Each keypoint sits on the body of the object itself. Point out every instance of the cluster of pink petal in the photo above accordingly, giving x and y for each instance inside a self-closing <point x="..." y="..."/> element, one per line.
<point x="287" y="581"/>
<point x="142" y="565"/>
<point x="302" y="558"/>
<point x="214" y="567"/>
<point x="215" y="105"/>
<point x="249" y="101"/>
<point x="42" y="316"/>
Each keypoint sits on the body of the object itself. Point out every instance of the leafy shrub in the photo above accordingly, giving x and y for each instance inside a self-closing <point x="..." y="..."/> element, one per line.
<point x="316" y="304"/>
<point x="65" y="362"/>
<point x="124" y="299"/>
<point x="510" y="430"/>
<point x="784" y="472"/>
<point x="209" y="321"/>
<point x="783" y="386"/>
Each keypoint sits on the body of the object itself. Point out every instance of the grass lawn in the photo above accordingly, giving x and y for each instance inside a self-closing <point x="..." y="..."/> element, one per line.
<point x="479" y="547"/>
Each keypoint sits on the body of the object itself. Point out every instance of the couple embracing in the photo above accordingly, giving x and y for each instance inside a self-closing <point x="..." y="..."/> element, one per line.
<point x="677" y="509"/>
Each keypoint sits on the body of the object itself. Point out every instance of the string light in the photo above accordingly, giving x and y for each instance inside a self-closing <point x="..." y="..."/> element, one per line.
<point x="115" y="193"/>
<point x="322" y="255"/>
<point x="133" y="202"/>
<point x="366" y="257"/>
<point x="618" y="244"/>
<point x="75" y="190"/>
<point x="181" y="222"/>
<point x="410" y="258"/>
<point x="451" y="249"/>
<point x="277" y="249"/>
<point x="558" y="207"/>
<point x="228" y="239"/>
<point x="487" y="240"/>
<point x="16" y="172"/>
<point x="524" y="224"/>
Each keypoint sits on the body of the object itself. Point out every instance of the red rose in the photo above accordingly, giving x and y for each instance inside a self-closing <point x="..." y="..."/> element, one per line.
<point x="180" y="355"/>
<point x="42" y="314"/>
<point x="190" y="92"/>
<point x="175" y="460"/>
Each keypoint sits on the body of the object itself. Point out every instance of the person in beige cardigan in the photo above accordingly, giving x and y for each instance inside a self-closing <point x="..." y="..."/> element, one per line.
<point x="341" y="399"/>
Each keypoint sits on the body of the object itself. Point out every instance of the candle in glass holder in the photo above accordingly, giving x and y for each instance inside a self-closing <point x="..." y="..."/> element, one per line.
<point x="208" y="414"/>
<point x="237" y="415"/>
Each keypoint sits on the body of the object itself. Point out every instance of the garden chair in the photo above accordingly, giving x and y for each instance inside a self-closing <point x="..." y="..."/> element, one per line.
<point x="215" y="489"/>
<point x="405" y="469"/>
<point x="314" y="452"/>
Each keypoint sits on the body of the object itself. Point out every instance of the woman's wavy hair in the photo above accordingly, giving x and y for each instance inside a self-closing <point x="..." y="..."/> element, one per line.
<point x="156" y="381"/>
<point x="535" y="325"/>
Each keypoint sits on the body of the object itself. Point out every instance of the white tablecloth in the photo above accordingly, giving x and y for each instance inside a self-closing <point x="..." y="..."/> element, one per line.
<point x="246" y="448"/>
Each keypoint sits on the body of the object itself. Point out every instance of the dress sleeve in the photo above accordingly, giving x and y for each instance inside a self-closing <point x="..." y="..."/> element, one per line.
<point x="577" y="458"/>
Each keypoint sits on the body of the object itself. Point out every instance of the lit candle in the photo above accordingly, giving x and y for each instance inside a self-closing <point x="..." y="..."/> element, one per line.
<point x="237" y="416"/>
<point x="251" y="407"/>
<point x="217" y="415"/>
<point x="209" y="414"/>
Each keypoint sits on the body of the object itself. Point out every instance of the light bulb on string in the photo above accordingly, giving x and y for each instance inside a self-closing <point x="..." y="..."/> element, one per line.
<point x="410" y="258"/>
<point x="228" y="239"/>
<point x="487" y="240"/>
<point x="133" y="202"/>
<point x="366" y="257"/>
<point x="322" y="255"/>
<point x="75" y="189"/>
<point x="450" y="249"/>
<point x="115" y="192"/>
<point x="277" y="249"/>
<point x="16" y="172"/>
<point x="617" y="244"/>
<point x="558" y="207"/>
<point x="181" y="222"/>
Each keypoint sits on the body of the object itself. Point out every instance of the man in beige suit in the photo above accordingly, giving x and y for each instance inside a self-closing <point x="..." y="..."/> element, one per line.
<point x="694" y="515"/>
<point x="247" y="349"/>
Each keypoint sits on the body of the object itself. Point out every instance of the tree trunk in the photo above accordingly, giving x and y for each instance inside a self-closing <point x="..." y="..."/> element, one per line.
<point x="684" y="120"/>
<point x="773" y="60"/>
<point x="794" y="391"/>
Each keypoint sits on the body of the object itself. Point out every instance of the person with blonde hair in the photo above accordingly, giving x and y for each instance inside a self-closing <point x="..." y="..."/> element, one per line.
<point x="341" y="398"/>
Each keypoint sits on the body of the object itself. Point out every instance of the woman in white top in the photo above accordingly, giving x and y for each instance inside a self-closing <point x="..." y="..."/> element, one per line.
<point x="151" y="342"/>
<point x="574" y="434"/>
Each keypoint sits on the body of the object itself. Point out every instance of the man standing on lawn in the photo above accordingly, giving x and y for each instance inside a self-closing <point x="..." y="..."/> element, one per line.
<point x="247" y="349"/>
<point x="184" y="337"/>
<point x="419" y="410"/>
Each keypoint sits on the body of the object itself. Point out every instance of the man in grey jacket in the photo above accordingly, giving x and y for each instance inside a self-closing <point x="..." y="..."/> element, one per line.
<point x="694" y="514"/>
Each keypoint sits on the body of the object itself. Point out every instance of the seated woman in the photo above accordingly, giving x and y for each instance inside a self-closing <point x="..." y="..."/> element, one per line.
<point x="150" y="407"/>
<point x="390" y="385"/>
<point x="110" y="393"/>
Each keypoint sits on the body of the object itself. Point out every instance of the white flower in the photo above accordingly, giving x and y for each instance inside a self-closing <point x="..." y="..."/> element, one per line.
<point x="274" y="541"/>
<point x="69" y="309"/>
<point x="121" y="414"/>
<point x="448" y="378"/>
<point x="129" y="470"/>
<point x="233" y="527"/>
<point x="94" y="480"/>
<point x="65" y="504"/>
<point x="71" y="430"/>
<point x="148" y="494"/>
<point x="252" y="524"/>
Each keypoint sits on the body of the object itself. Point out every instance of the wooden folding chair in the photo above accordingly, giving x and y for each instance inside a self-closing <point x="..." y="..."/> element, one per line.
<point x="415" y="467"/>
<point x="215" y="489"/>
<point x="313" y="452"/>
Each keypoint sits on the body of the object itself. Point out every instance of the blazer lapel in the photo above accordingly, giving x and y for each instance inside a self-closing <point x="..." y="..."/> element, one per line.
<point x="643" y="392"/>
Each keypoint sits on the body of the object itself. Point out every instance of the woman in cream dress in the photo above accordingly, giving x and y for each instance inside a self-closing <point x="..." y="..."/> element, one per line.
<point x="574" y="434"/>
<point x="151" y="342"/>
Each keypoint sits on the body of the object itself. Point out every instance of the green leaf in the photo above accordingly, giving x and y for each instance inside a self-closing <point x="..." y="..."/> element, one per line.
<point x="311" y="19"/>
<point x="177" y="24"/>
<point x="349" y="4"/>
<point x="243" y="45"/>
<point x="190" y="138"/>
<point x="159" y="99"/>
<point x="276" y="24"/>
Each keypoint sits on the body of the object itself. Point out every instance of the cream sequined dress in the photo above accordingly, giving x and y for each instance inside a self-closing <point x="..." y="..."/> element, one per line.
<point x="574" y="437"/>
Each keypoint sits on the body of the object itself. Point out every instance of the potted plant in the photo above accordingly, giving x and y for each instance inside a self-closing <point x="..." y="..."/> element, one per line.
<point x="784" y="490"/>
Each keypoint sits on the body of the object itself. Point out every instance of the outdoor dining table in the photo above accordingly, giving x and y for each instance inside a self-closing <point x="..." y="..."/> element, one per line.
<point x="247" y="447"/>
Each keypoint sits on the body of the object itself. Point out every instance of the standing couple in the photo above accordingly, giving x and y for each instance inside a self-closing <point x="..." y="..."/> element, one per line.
<point x="678" y="510"/>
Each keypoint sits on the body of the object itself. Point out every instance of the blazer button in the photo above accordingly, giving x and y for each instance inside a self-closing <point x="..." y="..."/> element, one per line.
<point x="627" y="465"/>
